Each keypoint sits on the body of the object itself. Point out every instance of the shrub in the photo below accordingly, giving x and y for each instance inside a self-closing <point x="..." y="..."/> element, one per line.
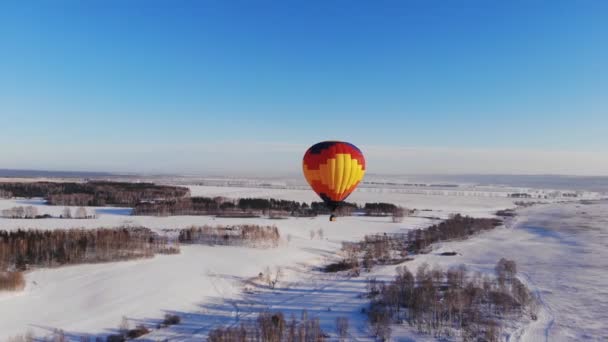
<point x="339" y="266"/>
<point x="140" y="330"/>
<point x="12" y="281"/>
<point x="171" y="319"/>
<point x="115" y="338"/>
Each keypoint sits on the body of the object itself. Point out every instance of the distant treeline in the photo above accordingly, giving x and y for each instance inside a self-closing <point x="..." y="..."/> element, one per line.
<point x="94" y="193"/>
<point x="46" y="248"/>
<point x="448" y="303"/>
<point x="222" y="205"/>
<point x="259" y="206"/>
<point x="395" y="248"/>
<point x="31" y="212"/>
<point x="244" y="234"/>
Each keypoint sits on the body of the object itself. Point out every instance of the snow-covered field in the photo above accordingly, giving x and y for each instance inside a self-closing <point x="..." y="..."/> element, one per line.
<point x="206" y="285"/>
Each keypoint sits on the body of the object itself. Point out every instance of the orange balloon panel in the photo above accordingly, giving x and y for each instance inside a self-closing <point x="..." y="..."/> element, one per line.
<point x="333" y="169"/>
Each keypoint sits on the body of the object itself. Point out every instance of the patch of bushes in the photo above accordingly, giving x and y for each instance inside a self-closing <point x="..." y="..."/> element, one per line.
<point x="171" y="319"/>
<point x="139" y="331"/>
<point x="339" y="266"/>
<point x="11" y="281"/>
<point x="243" y="234"/>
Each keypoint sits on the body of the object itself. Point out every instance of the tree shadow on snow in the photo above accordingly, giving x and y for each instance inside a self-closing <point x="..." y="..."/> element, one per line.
<point x="325" y="298"/>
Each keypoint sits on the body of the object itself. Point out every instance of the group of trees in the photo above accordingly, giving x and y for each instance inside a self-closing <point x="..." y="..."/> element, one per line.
<point x="394" y="248"/>
<point x="24" y="248"/>
<point x="243" y="234"/>
<point x="372" y="250"/>
<point x="222" y="205"/>
<point x="272" y="327"/>
<point x="94" y="193"/>
<point x="379" y="209"/>
<point x="259" y="206"/>
<point x="448" y="303"/>
<point x="161" y="200"/>
<point x="11" y="280"/>
<point x="28" y="212"/>
<point x="456" y="227"/>
<point x="31" y="212"/>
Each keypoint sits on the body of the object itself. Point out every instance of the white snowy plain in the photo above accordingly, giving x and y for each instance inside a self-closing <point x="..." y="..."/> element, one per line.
<point x="207" y="286"/>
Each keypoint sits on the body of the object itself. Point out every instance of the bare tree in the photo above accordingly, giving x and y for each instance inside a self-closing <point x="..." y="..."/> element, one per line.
<point x="272" y="280"/>
<point x="28" y="337"/>
<point x="398" y="215"/>
<point x="67" y="213"/>
<point x="123" y="328"/>
<point x="80" y="213"/>
<point x="19" y="212"/>
<point x="59" y="336"/>
<point x="30" y="212"/>
<point x="342" y="327"/>
<point x="320" y="233"/>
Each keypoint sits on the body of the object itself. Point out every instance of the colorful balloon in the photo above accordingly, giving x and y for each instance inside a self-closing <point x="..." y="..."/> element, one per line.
<point x="333" y="169"/>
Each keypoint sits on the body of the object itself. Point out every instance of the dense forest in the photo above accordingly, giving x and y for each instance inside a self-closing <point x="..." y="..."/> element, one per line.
<point x="449" y="303"/>
<point x="94" y="193"/>
<point x="257" y="206"/>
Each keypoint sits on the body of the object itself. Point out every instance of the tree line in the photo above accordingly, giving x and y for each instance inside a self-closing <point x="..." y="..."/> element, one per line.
<point x="31" y="212"/>
<point x="22" y="249"/>
<point x="93" y="193"/>
<point x="272" y="327"/>
<point x="258" y="206"/>
<point x="243" y="234"/>
<point x="450" y="303"/>
<point x="222" y="205"/>
<point x="384" y="249"/>
<point x="456" y="227"/>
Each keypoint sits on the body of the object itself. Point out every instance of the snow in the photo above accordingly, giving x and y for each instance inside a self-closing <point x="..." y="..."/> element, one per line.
<point x="91" y="299"/>
<point x="559" y="249"/>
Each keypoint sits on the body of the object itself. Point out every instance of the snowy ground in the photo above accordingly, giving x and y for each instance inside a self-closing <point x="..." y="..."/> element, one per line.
<point x="205" y="285"/>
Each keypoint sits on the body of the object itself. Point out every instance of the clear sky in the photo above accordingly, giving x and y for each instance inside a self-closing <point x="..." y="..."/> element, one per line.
<point x="246" y="86"/>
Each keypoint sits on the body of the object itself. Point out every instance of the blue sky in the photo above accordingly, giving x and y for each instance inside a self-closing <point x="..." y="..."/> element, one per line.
<point x="170" y="86"/>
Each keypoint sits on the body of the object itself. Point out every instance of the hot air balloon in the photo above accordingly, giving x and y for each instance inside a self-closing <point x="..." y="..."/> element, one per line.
<point x="333" y="169"/>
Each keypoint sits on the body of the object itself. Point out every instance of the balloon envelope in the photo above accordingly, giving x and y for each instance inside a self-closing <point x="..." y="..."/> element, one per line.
<point x="333" y="169"/>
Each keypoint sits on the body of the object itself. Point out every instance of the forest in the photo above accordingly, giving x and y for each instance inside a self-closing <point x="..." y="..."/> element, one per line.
<point x="444" y="304"/>
<point x="257" y="206"/>
<point x="93" y="193"/>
